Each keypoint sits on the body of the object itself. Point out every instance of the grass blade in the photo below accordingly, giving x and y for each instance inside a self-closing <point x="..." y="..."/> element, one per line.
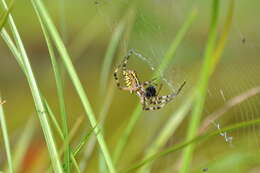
<point x="165" y="62"/>
<point x="176" y="119"/>
<point x="110" y="53"/>
<point x="60" y="133"/>
<point x="4" y="15"/>
<point x="168" y="130"/>
<point x="82" y="142"/>
<point x="39" y="7"/>
<point x="36" y="96"/>
<point x="196" y="139"/>
<point x="5" y="136"/>
<point x="60" y="91"/>
<point x="200" y="97"/>
<point x="104" y="76"/>
<point x="211" y="58"/>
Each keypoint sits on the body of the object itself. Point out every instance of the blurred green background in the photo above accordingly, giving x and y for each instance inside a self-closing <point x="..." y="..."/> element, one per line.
<point x="150" y="26"/>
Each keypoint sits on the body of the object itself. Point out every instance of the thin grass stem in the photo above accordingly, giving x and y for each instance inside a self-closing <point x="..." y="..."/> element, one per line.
<point x="6" y="137"/>
<point x="39" y="7"/>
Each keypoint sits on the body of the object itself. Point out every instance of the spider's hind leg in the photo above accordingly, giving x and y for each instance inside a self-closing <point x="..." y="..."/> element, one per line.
<point x="149" y="108"/>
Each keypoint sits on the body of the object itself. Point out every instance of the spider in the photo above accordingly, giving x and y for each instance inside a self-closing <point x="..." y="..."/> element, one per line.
<point x="147" y="91"/>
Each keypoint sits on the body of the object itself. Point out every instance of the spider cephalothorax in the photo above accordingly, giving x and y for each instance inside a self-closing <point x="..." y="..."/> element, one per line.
<point x="147" y="91"/>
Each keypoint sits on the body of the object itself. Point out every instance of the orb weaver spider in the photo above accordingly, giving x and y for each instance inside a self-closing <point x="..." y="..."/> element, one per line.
<point x="147" y="91"/>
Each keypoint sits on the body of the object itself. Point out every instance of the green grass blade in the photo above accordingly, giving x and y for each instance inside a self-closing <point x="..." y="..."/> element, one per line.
<point x="82" y="142"/>
<point x="6" y="137"/>
<point x="202" y="86"/>
<point x="73" y="75"/>
<point x="223" y="38"/>
<point x="105" y="73"/>
<point x="167" y="59"/>
<point x="37" y="97"/>
<point x="212" y="56"/>
<point x="196" y="139"/>
<point x="60" y="91"/>
<point x="168" y="130"/>
<point x="102" y="117"/>
<point x="4" y="15"/>
<point x="165" y="62"/>
<point x="177" y="117"/>
<point x="60" y="133"/>
<point x="13" y="49"/>
<point x="53" y="119"/>
<point x="110" y="53"/>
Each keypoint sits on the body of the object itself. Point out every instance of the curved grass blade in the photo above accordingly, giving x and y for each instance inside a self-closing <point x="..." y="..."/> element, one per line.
<point x="180" y="114"/>
<point x="194" y="140"/>
<point x="43" y="14"/>
<point x="109" y="57"/>
<point x="60" y="91"/>
<point x="36" y="96"/>
<point x="168" y="130"/>
<point x="165" y="62"/>
<point x="4" y="15"/>
<point x="211" y="58"/>
<point x="82" y="142"/>
<point x="5" y="136"/>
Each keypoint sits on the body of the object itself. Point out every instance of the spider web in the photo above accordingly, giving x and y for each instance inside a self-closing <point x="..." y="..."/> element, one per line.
<point x="238" y="71"/>
<point x="153" y="32"/>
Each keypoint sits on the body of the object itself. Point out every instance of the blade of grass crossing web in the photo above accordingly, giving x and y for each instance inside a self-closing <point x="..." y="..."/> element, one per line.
<point x="38" y="6"/>
<point x="201" y="88"/>
<point x="174" y="45"/>
<point x="177" y="117"/>
<point x="60" y="91"/>
<point x="37" y="97"/>
<point x="104" y="76"/>
<point x="110" y="53"/>
<point x="164" y="64"/>
<point x="196" y="139"/>
<point x="168" y="130"/>
<point x="223" y="38"/>
<point x="6" y="137"/>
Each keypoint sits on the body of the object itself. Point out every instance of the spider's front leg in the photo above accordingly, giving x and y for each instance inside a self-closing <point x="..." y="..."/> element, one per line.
<point x="123" y="65"/>
<point x="171" y="96"/>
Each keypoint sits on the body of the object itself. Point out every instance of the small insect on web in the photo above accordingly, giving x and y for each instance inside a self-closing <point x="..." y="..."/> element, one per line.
<point x="147" y="91"/>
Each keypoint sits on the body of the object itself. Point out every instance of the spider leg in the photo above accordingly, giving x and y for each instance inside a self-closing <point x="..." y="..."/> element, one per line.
<point x="149" y="82"/>
<point x="171" y="96"/>
<point x="125" y="61"/>
<point x="123" y="65"/>
<point x="160" y="87"/>
<point x="161" y="101"/>
<point x="154" y="107"/>
<point x="154" y="104"/>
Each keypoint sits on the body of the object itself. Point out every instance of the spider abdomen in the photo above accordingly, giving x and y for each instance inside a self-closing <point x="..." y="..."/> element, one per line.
<point x="130" y="79"/>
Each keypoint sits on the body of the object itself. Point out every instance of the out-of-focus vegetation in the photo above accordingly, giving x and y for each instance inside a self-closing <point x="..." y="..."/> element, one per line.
<point x="208" y="44"/>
